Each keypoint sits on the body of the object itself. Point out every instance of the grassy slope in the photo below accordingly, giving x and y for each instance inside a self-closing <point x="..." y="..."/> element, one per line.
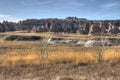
<point x="32" y="50"/>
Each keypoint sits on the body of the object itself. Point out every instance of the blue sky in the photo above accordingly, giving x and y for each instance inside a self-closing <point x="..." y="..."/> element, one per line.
<point x="15" y="10"/>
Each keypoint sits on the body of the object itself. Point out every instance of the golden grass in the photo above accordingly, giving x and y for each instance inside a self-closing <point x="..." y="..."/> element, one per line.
<point x="28" y="52"/>
<point x="54" y="58"/>
<point x="59" y="35"/>
<point x="23" y="59"/>
<point x="76" y="58"/>
<point x="112" y="55"/>
<point x="56" y="54"/>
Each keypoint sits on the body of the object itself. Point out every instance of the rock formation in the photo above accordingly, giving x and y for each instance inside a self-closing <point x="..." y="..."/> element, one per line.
<point x="2" y="28"/>
<point x="6" y="26"/>
<point x="97" y="28"/>
<point x="68" y="25"/>
<point x="112" y="29"/>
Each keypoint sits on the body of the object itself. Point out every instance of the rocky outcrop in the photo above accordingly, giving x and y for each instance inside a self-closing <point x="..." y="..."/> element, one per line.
<point x="105" y="42"/>
<point x="39" y="29"/>
<point x="2" y="28"/>
<point x="76" y="25"/>
<point x="67" y="25"/>
<point x="113" y="29"/>
<point x="86" y="43"/>
<point x="94" y="28"/>
<point x="7" y="26"/>
<point x="97" y="28"/>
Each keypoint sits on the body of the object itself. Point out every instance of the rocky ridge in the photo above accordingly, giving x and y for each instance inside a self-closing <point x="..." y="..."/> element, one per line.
<point x="67" y="25"/>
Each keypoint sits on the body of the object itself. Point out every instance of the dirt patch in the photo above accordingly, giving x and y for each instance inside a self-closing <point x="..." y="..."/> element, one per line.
<point x="23" y="38"/>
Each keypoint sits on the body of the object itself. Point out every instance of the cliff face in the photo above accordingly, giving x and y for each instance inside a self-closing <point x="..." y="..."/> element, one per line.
<point x="2" y="28"/>
<point x="7" y="26"/>
<point x="68" y="25"/>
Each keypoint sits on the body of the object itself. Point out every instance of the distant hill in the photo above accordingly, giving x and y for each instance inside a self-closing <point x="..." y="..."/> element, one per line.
<point x="67" y="25"/>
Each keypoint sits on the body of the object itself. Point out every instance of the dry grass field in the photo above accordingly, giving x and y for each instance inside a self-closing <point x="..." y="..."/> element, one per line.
<point x="14" y="52"/>
<point x="27" y="58"/>
<point x="60" y="35"/>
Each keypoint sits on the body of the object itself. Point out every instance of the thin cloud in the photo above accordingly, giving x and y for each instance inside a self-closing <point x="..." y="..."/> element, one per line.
<point x="34" y="3"/>
<point x="64" y="4"/>
<point x="109" y="5"/>
<point x="4" y="17"/>
<point x="48" y="5"/>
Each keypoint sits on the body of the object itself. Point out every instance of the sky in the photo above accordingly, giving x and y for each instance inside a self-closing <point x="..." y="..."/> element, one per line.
<point x="15" y="10"/>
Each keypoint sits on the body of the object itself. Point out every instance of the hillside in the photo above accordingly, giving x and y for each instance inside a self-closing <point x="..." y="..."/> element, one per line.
<point x="67" y="25"/>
